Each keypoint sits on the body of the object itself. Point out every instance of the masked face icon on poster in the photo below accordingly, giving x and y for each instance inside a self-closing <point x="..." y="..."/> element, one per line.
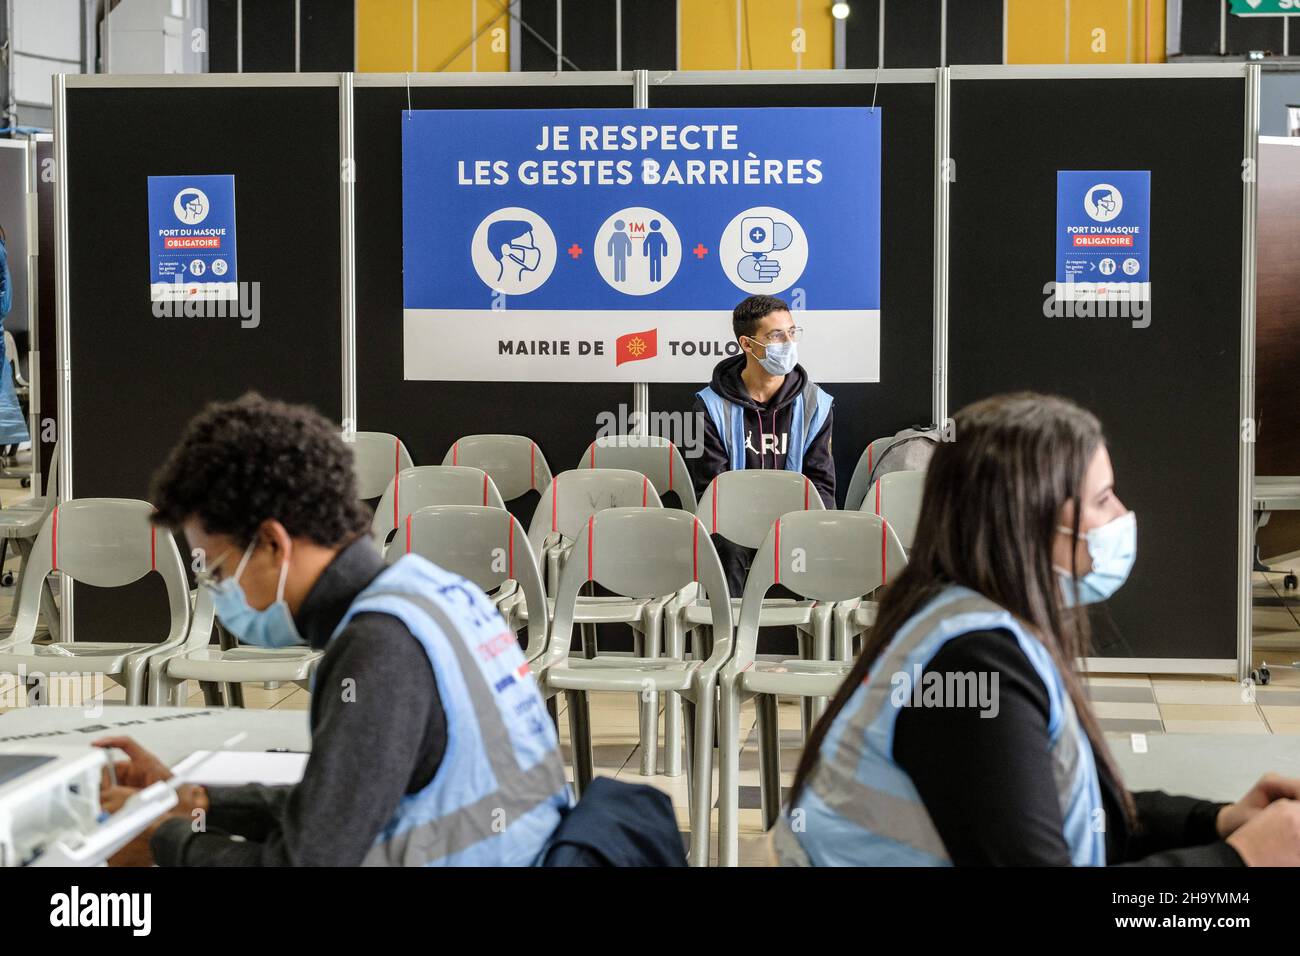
<point x="1103" y="202"/>
<point x="511" y="243"/>
<point x="513" y="250"/>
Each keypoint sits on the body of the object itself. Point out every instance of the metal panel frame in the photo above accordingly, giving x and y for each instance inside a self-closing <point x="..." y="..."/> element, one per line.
<point x="35" y="342"/>
<point x="1126" y="71"/>
<point x="62" y="287"/>
<point x="640" y="81"/>
<point x="567" y="78"/>
<point x="1240" y="666"/>
<point x="348" y="252"/>
<point x="942" y="159"/>
<point x="729" y="78"/>
<point x="76" y="81"/>
<point x="1246" y="454"/>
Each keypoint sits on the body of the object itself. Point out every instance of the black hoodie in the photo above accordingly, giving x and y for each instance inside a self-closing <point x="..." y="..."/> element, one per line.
<point x="767" y="437"/>
<point x="767" y="431"/>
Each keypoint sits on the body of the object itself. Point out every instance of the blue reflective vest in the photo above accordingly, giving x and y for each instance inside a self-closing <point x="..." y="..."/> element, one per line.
<point x="13" y="426"/>
<point x="498" y="795"/>
<point x="812" y="406"/>
<point x="859" y="808"/>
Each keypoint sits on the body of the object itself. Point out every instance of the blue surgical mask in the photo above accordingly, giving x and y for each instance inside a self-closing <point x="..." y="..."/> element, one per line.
<point x="271" y="627"/>
<point x="780" y="358"/>
<point x="1113" y="549"/>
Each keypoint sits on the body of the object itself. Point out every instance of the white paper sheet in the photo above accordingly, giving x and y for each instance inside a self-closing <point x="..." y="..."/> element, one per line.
<point x="233" y="767"/>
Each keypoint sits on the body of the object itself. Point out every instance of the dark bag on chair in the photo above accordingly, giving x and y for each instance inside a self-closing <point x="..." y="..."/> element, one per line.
<point x="618" y="824"/>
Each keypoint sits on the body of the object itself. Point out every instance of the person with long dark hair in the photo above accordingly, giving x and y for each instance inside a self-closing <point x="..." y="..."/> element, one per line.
<point x="964" y="735"/>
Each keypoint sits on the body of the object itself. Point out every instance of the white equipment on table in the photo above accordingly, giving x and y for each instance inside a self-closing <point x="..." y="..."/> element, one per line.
<point x="50" y="813"/>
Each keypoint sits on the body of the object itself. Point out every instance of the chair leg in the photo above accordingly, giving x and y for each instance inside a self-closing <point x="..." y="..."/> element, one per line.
<point x="702" y="793"/>
<point x="580" y="740"/>
<point x="651" y="627"/>
<point x="842" y="641"/>
<point x="807" y="651"/>
<point x="553" y="708"/>
<point x="170" y="692"/>
<point x="688" y="740"/>
<point x="133" y="679"/>
<point x="821" y="625"/>
<point x="212" y="696"/>
<point x="769" y="758"/>
<point x="729" y="744"/>
<point x="163" y="691"/>
<point x="50" y="609"/>
<point x="20" y="576"/>
<point x="674" y="647"/>
<point x="232" y="694"/>
<point x="589" y="648"/>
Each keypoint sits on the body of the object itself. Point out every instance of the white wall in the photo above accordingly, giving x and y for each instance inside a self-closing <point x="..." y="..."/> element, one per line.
<point x="46" y="40"/>
<point x="154" y="36"/>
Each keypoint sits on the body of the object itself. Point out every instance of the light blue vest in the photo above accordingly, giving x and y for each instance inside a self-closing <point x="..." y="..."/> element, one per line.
<point x="859" y="808"/>
<point x="811" y="408"/>
<point x="498" y="794"/>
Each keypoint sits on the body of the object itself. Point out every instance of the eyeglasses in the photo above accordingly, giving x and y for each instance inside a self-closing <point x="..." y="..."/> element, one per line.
<point x="780" y="336"/>
<point x="207" y="576"/>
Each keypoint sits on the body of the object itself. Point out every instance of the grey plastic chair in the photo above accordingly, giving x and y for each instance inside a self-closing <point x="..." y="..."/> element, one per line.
<point x="198" y="660"/>
<point x="21" y="385"/>
<point x="656" y="458"/>
<point x="860" y="483"/>
<point x="648" y="555"/>
<point x="378" y="458"/>
<point x="896" y="497"/>
<point x="414" y="488"/>
<point x="830" y="557"/>
<point x="107" y="543"/>
<point x="741" y="506"/>
<point x="486" y="545"/>
<point x="514" y="462"/>
<point x="571" y="498"/>
<point x="21" y="523"/>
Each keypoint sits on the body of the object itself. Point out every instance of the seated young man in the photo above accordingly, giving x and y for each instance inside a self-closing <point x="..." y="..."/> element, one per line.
<point x="763" y="411"/>
<point x="430" y="742"/>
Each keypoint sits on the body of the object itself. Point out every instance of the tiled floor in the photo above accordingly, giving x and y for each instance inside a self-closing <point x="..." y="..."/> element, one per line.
<point x="1130" y="703"/>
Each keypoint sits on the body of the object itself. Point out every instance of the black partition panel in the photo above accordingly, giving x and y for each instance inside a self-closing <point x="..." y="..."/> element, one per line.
<point x="1167" y="395"/>
<point x="562" y="417"/>
<point x="902" y="397"/>
<point x="138" y="377"/>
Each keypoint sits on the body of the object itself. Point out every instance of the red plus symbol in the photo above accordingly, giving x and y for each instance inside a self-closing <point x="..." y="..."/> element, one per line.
<point x="575" y="250"/>
<point x="700" y="251"/>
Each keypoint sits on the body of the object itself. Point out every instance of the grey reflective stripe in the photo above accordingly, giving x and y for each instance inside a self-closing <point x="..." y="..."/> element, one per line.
<point x="789" y="851"/>
<point x="809" y="410"/>
<point x="1065" y="755"/>
<point x="726" y="428"/>
<point x="904" y="821"/>
<point x="520" y="791"/>
<point x="878" y="692"/>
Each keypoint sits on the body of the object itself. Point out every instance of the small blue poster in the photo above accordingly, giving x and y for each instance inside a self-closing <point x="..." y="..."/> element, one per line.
<point x="1103" y="235"/>
<point x="192" y="238"/>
